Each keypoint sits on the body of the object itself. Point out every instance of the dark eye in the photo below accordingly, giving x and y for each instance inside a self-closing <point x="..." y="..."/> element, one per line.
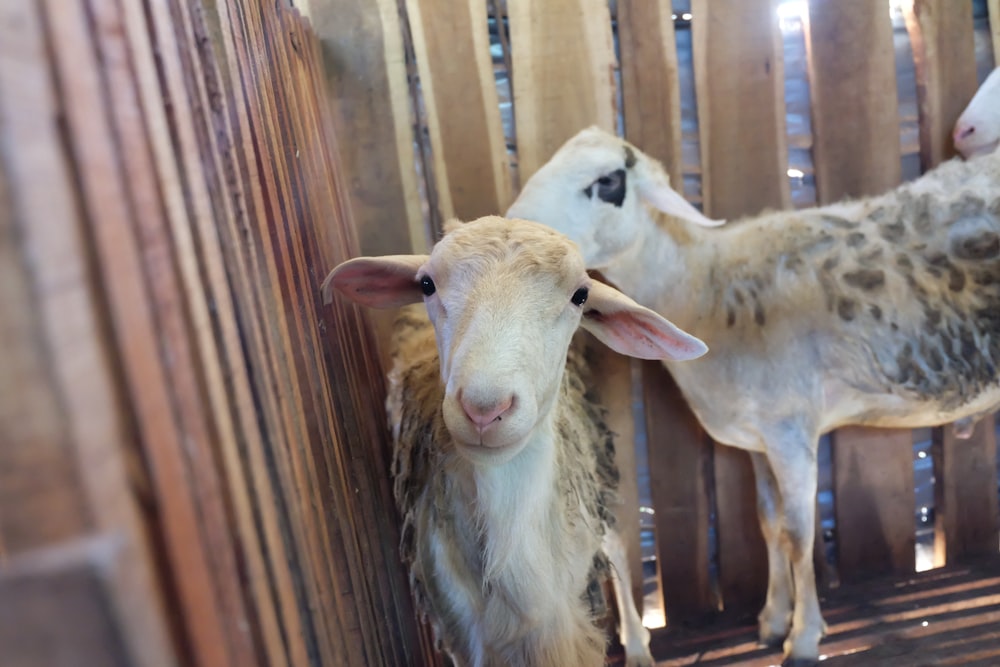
<point x="427" y="286"/>
<point x="610" y="188"/>
<point x="580" y="296"/>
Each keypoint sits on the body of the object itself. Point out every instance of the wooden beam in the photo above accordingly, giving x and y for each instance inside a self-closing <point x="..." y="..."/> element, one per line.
<point x="650" y="90"/>
<point x="942" y="36"/>
<point x="679" y="459"/>
<point x="471" y="167"/>
<point x="739" y="83"/>
<point x="965" y="496"/>
<point x="742" y="553"/>
<point x="994" y="7"/>
<point x="563" y="60"/>
<point x="873" y="500"/>
<point x="855" y="113"/>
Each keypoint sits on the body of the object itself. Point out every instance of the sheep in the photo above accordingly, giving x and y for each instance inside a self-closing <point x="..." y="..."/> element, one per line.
<point x="977" y="131"/>
<point x="882" y="311"/>
<point x="503" y="467"/>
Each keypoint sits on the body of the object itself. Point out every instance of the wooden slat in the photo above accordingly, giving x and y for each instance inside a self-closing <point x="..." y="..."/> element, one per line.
<point x="855" y="113"/>
<point x="562" y="57"/>
<point x="679" y="458"/>
<point x="994" y="7"/>
<point x="941" y="32"/>
<point x="965" y="496"/>
<point x="873" y="501"/>
<point x="651" y="96"/>
<point x="471" y="168"/>
<point x="739" y="82"/>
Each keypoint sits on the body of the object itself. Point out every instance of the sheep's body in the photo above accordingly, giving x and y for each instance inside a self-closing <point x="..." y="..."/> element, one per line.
<point x="504" y="468"/>
<point x="501" y="545"/>
<point x="883" y="311"/>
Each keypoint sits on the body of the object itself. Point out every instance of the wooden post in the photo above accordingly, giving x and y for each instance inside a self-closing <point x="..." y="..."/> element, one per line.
<point x="471" y="168"/>
<point x="965" y="502"/>
<point x="563" y="60"/>
<point x="944" y="54"/>
<point x="994" y="7"/>
<point x="739" y="82"/>
<point x="873" y="481"/>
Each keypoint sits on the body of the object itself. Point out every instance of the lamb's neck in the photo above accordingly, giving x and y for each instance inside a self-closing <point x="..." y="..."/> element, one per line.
<point x="670" y="269"/>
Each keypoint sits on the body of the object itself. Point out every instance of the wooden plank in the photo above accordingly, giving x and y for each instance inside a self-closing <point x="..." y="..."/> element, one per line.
<point x="873" y="501"/>
<point x="942" y="36"/>
<point x="994" y="8"/>
<point x="739" y="83"/>
<point x="965" y="496"/>
<point x="679" y="457"/>
<point x="471" y="168"/>
<point x="855" y="113"/>
<point x="651" y="97"/>
<point x="563" y="59"/>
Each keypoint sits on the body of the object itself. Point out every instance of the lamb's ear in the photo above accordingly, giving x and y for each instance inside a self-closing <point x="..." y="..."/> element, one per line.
<point x="653" y="185"/>
<point x="378" y="282"/>
<point x="628" y="328"/>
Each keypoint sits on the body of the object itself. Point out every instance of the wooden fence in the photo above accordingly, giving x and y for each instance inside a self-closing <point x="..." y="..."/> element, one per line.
<point x="193" y="455"/>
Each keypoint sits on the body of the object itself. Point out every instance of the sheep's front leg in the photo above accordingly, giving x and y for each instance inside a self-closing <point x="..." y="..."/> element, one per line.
<point x="633" y="636"/>
<point x="793" y="463"/>
<point x="776" y="617"/>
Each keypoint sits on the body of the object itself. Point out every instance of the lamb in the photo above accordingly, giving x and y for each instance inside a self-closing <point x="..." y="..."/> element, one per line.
<point x="977" y="131"/>
<point x="504" y="469"/>
<point x="882" y="311"/>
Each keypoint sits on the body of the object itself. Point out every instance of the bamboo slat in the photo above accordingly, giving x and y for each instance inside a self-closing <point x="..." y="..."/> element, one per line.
<point x="944" y="54"/>
<point x="471" y="168"/>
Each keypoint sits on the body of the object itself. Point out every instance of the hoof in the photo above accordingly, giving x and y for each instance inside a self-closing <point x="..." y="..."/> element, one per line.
<point x="799" y="662"/>
<point x="771" y="641"/>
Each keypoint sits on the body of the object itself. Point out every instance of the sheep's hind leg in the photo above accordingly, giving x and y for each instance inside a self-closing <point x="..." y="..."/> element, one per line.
<point x="775" y="618"/>
<point x="633" y="636"/>
<point x="793" y="463"/>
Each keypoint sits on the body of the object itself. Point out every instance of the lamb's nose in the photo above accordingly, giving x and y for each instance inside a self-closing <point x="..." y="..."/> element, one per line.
<point x="963" y="130"/>
<point x="484" y="414"/>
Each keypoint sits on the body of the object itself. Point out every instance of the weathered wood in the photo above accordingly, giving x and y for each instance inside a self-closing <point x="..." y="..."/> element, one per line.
<point x="994" y="8"/>
<point x="651" y="97"/>
<point x="471" y="168"/>
<point x="941" y="33"/>
<point x="679" y="457"/>
<point x="965" y="483"/>
<point x="739" y="82"/>
<point x="873" y="501"/>
<point x="855" y="113"/>
<point x="563" y="59"/>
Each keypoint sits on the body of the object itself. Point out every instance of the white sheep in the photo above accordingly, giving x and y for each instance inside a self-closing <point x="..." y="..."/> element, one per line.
<point x="882" y="311"/>
<point x="503" y="468"/>
<point x="977" y="131"/>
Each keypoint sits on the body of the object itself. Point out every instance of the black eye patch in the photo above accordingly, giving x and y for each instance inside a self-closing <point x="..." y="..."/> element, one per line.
<point x="610" y="188"/>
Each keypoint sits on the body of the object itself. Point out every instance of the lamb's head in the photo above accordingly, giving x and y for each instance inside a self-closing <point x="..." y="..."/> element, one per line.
<point x="594" y="190"/>
<point x="977" y="131"/>
<point x="505" y="297"/>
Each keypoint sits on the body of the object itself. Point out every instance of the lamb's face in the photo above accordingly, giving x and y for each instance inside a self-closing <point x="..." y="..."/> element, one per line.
<point x="505" y="300"/>
<point x="977" y="131"/>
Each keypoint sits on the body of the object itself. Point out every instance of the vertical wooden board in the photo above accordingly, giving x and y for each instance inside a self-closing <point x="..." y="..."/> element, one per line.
<point x="873" y="501"/>
<point x="855" y="113"/>
<point x="941" y="32"/>
<point x="471" y="167"/>
<point x="742" y="553"/>
<point x="739" y="84"/>
<point x="563" y="59"/>
<point x="994" y="7"/>
<point x="679" y="457"/>
<point x="650" y="90"/>
<point x="965" y="493"/>
<point x="363" y="50"/>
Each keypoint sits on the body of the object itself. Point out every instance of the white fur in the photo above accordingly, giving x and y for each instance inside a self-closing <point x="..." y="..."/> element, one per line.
<point x="977" y="131"/>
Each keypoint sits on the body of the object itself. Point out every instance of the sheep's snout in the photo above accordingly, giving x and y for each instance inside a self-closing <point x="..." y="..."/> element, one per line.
<point x="485" y="411"/>
<point x="963" y="130"/>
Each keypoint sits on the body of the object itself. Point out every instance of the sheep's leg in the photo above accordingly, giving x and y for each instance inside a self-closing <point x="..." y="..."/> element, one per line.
<point x="633" y="636"/>
<point x="775" y="618"/>
<point x="793" y="463"/>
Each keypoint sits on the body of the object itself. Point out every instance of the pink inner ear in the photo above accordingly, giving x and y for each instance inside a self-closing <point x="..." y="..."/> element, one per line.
<point x="635" y="338"/>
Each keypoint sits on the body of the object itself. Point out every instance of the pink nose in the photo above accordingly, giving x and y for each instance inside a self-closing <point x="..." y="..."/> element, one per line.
<point x="483" y="415"/>
<point x="963" y="130"/>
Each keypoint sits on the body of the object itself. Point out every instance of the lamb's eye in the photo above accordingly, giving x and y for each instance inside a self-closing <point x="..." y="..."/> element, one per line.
<point x="580" y="296"/>
<point x="427" y="286"/>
